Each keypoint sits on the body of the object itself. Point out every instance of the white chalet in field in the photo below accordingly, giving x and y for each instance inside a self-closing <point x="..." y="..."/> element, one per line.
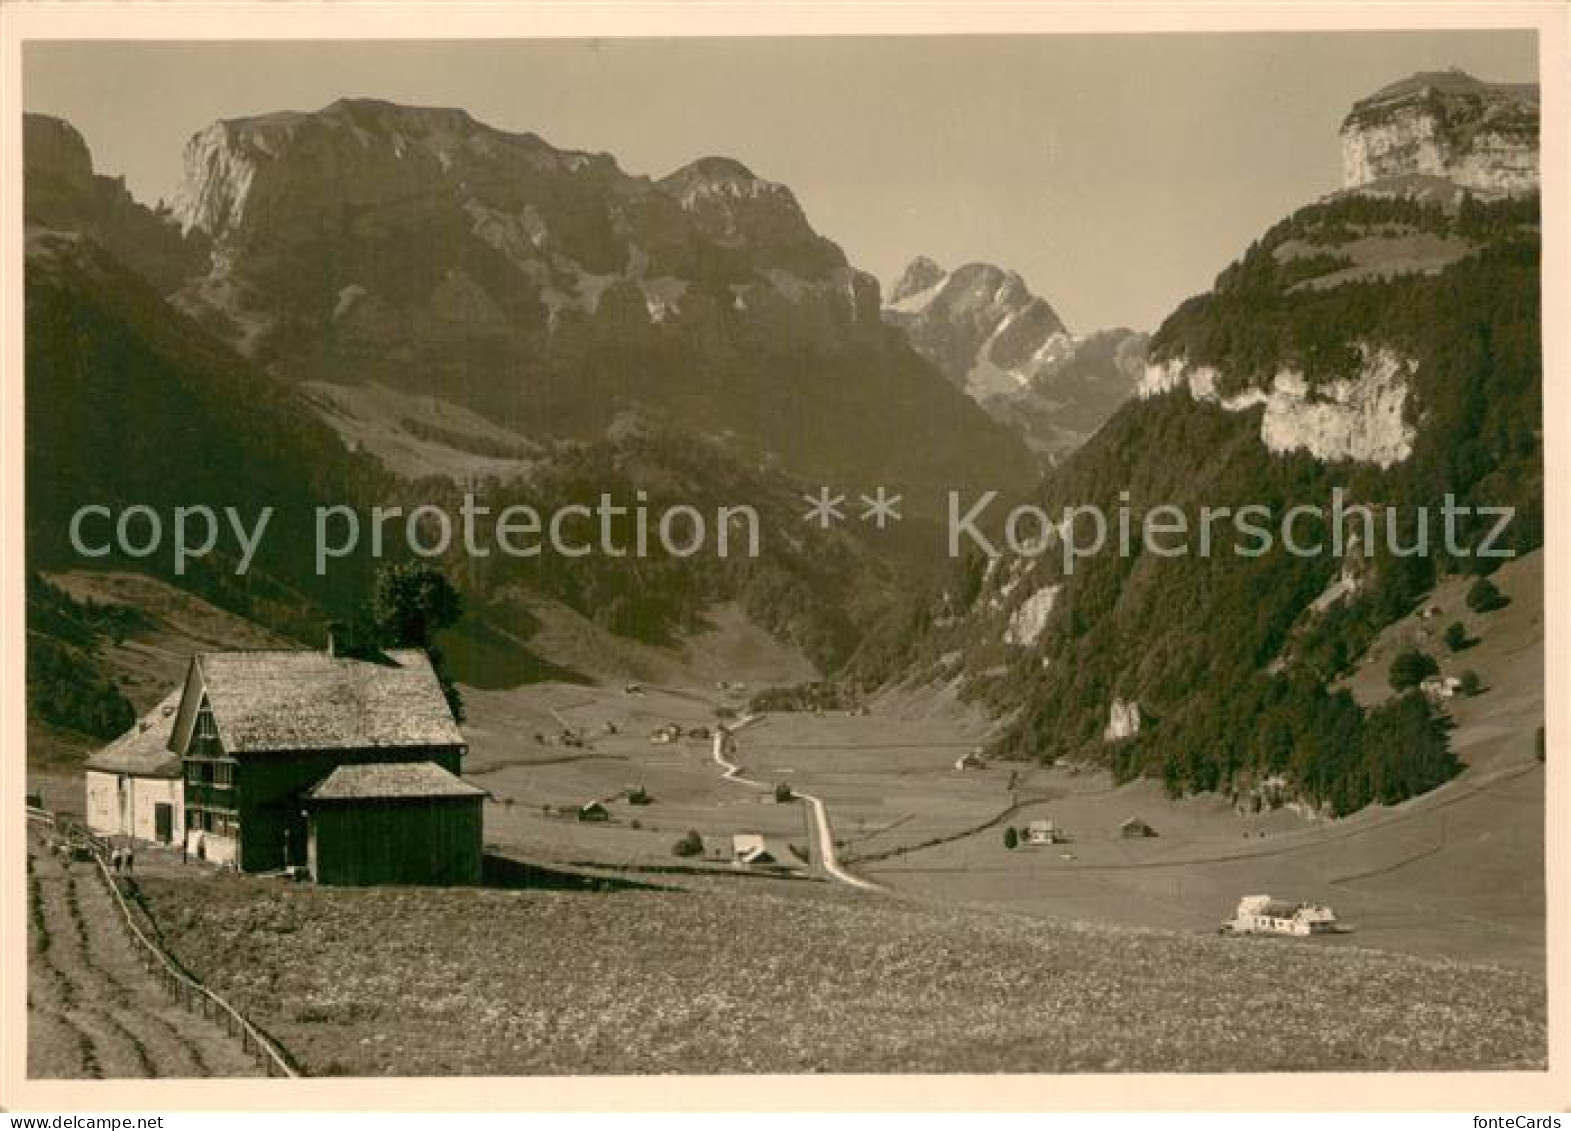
<point x="1262" y="915"/>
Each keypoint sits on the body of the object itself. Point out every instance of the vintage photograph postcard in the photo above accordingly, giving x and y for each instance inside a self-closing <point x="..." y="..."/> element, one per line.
<point x="648" y="549"/>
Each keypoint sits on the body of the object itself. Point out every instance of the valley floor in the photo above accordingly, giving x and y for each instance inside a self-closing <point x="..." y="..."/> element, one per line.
<point x="1099" y="954"/>
<point x="1456" y="873"/>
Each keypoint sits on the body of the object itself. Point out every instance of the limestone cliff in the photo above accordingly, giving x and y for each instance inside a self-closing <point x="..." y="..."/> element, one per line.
<point x="551" y="291"/>
<point x="1445" y="124"/>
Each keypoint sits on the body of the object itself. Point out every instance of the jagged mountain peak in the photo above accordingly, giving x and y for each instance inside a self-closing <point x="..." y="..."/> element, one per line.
<point x="736" y="208"/>
<point x="1009" y="350"/>
<point x="63" y="193"/>
<point x="980" y="323"/>
<point x="712" y="169"/>
<point x="920" y="274"/>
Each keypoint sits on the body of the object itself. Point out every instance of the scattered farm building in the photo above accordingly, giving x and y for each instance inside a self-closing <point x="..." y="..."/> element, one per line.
<point x="970" y="760"/>
<point x="1262" y="915"/>
<point x="1134" y="828"/>
<point x="240" y="766"/>
<point x="752" y="850"/>
<point x="1042" y="831"/>
<point x="593" y="811"/>
<point x="1439" y="688"/>
<point x="393" y="823"/>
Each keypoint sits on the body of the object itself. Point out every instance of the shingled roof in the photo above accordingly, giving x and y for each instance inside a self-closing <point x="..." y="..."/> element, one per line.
<point x="299" y="700"/>
<point x="144" y="749"/>
<point x="391" y="781"/>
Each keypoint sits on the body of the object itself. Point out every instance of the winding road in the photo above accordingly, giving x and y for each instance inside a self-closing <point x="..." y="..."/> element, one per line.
<point x="818" y="813"/>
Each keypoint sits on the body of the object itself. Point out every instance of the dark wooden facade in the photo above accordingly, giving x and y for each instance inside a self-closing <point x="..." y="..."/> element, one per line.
<point x="248" y="806"/>
<point x="432" y="840"/>
<point x="264" y="807"/>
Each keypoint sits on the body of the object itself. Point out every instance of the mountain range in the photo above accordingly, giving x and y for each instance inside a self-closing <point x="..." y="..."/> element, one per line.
<point x="376" y="246"/>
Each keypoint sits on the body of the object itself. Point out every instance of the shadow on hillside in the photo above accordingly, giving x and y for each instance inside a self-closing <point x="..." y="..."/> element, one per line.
<point x="509" y="874"/>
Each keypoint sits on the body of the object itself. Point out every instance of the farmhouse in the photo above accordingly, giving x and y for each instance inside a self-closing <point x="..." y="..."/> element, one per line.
<point x="1262" y="915"/>
<point x="256" y="730"/>
<point x="1042" y="831"/>
<point x="242" y="764"/>
<point x="970" y="760"/>
<point x="593" y="811"/>
<point x="133" y="784"/>
<point x="755" y="850"/>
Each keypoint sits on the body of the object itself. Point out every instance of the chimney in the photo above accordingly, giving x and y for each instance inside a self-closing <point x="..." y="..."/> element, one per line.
<point x="337" y="638"/>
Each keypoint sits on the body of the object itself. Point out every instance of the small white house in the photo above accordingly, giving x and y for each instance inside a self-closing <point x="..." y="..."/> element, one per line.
<point x="133" y="784"/>
<point x="756" y="850"/>
<point x="1043" y="831"/>
<point x="1439" y="688"/>
<point x="1262" y="915"/>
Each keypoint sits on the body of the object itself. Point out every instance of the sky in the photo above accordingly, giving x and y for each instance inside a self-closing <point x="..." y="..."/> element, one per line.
<point x="1116" y="173"/>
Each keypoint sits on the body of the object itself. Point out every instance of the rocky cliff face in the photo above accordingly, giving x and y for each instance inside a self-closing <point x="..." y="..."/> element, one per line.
<point x="1362" y="419"/>
<point x="552" y="292"/>
<point x="62" y="193"/>
<point x="1011" y="353"/>
<point x="1479" y="136"/>
<point x="436" y="217"/>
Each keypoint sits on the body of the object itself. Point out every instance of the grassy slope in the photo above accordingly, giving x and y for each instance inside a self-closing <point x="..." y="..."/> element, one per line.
<point x="147" y="665"/>
<point x="750" y="977"/>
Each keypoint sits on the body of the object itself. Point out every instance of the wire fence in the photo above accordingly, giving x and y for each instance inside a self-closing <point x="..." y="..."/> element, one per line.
<point x="191" y="994"/>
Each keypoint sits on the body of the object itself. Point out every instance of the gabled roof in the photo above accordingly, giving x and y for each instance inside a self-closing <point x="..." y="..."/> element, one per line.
<point x="144" y="749"/>
<point x="300" y="700"/>
<point x="760" y="848"/>
<point x="408" y="781"/>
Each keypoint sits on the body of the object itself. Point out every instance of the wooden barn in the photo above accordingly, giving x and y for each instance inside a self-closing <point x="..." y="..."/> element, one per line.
<point x="256" y="731"/>
<point x="1135" y="829"/>
<point x="393" y="823"/>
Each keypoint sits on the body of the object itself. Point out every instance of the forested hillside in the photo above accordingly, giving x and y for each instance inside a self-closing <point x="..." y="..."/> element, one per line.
<point x="1223" y="659"/>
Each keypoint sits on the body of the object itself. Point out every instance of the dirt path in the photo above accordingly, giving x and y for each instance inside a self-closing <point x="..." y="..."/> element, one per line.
<point x="93" y="1009"/>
